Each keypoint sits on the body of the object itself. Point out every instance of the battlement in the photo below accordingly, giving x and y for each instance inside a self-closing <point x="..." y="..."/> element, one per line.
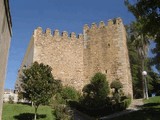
<point x="73" y="36"/>
<point x="110" y="22"/>
<point x="57" y="34"/>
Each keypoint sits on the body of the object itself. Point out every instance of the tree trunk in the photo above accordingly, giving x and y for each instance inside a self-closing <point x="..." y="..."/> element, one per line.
<point x="35" y="114"/>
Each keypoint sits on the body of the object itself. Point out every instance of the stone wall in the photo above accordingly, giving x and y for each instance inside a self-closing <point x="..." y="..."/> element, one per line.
<point x="27" y="61"/>
<point x="63" y="53"/>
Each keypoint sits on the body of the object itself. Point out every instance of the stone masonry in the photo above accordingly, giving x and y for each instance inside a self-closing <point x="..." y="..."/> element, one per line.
<point x="74" y="60"/>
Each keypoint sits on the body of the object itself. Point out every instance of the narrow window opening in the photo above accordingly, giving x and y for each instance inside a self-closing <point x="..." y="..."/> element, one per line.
<point x="108" y="45"/>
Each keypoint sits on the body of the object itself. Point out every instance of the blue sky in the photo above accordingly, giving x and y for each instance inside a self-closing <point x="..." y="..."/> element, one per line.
<point x="65" y="15"/>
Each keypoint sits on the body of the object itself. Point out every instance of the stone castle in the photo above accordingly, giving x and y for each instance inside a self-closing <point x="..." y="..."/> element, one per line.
<point x="75" y="59"/>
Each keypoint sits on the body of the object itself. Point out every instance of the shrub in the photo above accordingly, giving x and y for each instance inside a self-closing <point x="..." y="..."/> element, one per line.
<point x="70" y="93"/>
<point x="126" y="103"/>
<point x="95" y="93"/>
<point x="11" y="98"/>
<point x="116" y="84"/>
<point x="62" y="112"/>
<point x="60" y="102"/>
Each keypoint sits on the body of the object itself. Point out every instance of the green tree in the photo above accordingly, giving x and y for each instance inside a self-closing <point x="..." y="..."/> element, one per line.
<point x="152" y="79"/>
<point x="155" y="83"/>
<point x="141" y="43"/>
<point x="38" y="84"/>
<point x="95" y="93"/>
<point x="135" y="63"/>
<point x="147" y="13"/>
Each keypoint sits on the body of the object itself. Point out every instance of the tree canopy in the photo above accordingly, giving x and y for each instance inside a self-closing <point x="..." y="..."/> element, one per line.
<point x="116" y="84"/>
<point x="38" y="84"/>
<point x="147" y="13"/>
<point x="96" y="92"/>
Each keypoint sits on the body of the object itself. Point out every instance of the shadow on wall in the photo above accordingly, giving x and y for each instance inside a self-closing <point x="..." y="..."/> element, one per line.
<point x="28" y="116"/>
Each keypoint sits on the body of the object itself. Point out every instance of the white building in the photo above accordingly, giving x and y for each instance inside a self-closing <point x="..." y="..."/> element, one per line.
<point x="9" y="95"/>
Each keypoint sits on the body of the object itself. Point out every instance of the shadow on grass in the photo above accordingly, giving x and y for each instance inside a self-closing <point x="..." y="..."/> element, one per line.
<point x="146" y="113"/>
<point x="28" y="116"/>
<point x="29" y="104"/>
<point x="151" y="104"/>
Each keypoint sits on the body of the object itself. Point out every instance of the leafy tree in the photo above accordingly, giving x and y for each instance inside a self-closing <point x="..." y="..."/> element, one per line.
<point x="38" y="84"/>
<point x="155" y="83"/>
<point x="147" y="13"/>
<point x="141" y="42"/>
<point x="135" y="63"/>
<point x="95" y="93"/>
<point x="152" y="79"/>
<point x="156" y="58"/>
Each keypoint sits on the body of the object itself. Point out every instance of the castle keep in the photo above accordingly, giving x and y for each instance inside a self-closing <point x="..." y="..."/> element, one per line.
<point x="75" y="59"/>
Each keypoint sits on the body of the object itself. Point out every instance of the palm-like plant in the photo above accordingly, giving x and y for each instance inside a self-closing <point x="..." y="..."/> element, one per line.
<point x="141" y="42"/>
<point x="139" y="39"/>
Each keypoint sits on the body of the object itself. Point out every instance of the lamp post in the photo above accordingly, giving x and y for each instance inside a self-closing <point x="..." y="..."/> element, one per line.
<point x="144" y="73"/>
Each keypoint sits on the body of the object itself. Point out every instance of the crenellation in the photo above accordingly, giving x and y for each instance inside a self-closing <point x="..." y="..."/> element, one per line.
<point x="39" y="30"/>
<point x="56" y="33"/>
<point x="73" y="36"/>
<point x="48" y="32"/>
<point x="118" y="20"/>
<point x="93" y="26"/>
<point x="86" y="27"/>
<point x="101" y="24"/>
<point x="64" y="34"/>
<point x="80" y="36"/>
<point x="110" y="22"/>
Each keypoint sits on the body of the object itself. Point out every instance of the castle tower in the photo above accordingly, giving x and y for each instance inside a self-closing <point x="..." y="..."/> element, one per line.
<point x="74" y="60"/>
<point x="106" y="51"/>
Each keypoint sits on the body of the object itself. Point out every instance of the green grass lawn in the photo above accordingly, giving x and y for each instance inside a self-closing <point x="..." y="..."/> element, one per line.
<point x="25" y="112"/>
<point x="150" y="111"/>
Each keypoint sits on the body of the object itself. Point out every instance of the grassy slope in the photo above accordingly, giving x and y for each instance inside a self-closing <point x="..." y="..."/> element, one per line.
<point x="150" y="111"/>
<point x="25" y="112"/>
